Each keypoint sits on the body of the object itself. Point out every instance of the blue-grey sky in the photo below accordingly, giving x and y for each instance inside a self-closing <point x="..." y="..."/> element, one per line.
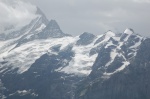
<point x="97" y="16"/>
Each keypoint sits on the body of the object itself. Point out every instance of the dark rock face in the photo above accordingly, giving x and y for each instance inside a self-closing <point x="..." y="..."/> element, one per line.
<point x="85" y="39"/>
<point x="100" y="39"/>
<point x="131" y="83"/>
<point x="51" y="30"/>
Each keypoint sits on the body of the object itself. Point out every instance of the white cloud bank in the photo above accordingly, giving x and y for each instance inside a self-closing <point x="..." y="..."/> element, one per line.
<point x="15" y="13"/>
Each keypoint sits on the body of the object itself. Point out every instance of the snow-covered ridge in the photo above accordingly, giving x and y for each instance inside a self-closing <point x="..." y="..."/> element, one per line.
<point x="129" y="31"/>
<point x="82" y="61"/>
<point x="25" y="55"/>
<point x="131" y="41"/>
<point x="41" y="35"/>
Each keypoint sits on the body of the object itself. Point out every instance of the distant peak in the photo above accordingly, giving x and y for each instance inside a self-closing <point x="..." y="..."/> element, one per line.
<point x="129" y="31"/>
<point x="86" y="38"/>
<point x="39" y="11"/>
<point x="42" y="15"/>
<point x="87" y="33"/>
<point x="109" y="33"/>
<point x="53" y="25"/>
<point x="53" y="21"/>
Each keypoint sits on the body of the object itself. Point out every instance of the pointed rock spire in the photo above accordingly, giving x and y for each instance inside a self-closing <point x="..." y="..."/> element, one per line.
<point x="53" y="25"/>
<point x="52" y="30"/>
<point x="43" y="17"/>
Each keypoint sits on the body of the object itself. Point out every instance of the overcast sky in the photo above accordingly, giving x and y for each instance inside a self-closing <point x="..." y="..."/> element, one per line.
<point x="97" y="16"/>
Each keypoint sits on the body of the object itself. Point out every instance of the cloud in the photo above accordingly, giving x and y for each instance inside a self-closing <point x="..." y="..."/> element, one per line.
<point x="142" y="1"/>
<point x="15" y="13"/>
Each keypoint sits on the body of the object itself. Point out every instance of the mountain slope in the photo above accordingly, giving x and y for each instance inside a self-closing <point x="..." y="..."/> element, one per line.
<point x="126" y="77"/>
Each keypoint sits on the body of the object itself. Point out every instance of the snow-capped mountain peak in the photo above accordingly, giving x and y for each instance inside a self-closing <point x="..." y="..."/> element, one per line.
<point x="110" y="34"/>
<point x="35" y="26"/>
<point x="129" y="31"/>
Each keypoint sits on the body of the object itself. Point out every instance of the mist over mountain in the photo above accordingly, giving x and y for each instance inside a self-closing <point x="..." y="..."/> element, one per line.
<point x="40" y="61"/>
<point x="15" y="13"/>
